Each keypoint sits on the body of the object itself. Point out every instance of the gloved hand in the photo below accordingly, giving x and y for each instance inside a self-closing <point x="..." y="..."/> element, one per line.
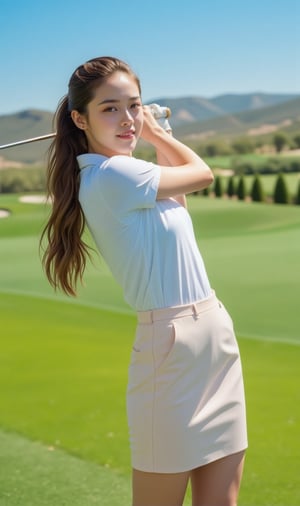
<point x="161" y="114"/>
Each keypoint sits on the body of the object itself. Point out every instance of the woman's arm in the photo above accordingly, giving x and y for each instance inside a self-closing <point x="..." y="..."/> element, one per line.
<point x="164" y="162"/>
<point x="186" y="171"/>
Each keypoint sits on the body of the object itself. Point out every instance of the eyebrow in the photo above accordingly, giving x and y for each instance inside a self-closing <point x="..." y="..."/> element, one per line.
<point x="114" y="101"/>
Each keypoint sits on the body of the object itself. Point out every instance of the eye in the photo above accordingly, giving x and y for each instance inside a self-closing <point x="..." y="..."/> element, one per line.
<point x="136" y="105"/>
<point x="111" y="108"/>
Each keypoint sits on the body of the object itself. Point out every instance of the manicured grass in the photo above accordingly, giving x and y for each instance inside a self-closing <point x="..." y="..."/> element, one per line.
<point x="64" y="362"/>
<point x="63" y="380"/>
<point x="33" y="474"/>
<point x="271" y="373"/>
<point x="69" y="365"/>
<point x="25" y="219"/>
<point x="251" y="252"/>
<point x="252" y="255"/>
<point x="63" y="383"/>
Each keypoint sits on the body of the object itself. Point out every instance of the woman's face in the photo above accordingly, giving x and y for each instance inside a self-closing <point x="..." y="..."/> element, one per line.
<point x="114" y="118"/>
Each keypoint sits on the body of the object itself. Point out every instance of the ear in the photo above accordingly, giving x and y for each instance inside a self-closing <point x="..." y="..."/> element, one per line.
<point x="79" y="120"/>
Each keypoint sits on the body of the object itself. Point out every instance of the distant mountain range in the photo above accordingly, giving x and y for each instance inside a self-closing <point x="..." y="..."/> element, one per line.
<point x="194" y="109"/>
<point x="192" y="117"/>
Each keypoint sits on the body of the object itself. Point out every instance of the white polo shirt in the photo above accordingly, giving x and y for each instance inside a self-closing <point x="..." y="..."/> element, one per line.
<point x="148" y="244"/>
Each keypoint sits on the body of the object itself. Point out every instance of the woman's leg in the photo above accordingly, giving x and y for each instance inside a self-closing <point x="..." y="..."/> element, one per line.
<point x="218" y="483"/>
<point x="156" y="489"/>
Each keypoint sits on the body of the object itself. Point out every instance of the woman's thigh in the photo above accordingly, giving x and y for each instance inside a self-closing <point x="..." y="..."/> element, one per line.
<point x="158" y="489"/>
<point x="218" y="483"/>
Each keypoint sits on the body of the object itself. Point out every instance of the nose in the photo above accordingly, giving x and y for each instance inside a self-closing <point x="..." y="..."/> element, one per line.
<point x="127" y="118"/>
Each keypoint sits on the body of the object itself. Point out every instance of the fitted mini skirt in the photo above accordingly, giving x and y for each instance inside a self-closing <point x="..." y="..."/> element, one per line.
<point x="185" y="396"/>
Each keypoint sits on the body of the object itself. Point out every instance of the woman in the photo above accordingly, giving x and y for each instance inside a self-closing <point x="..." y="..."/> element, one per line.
<point x="185" y="397"/>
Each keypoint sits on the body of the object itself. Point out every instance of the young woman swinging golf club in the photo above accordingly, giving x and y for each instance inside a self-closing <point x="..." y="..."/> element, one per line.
<point x="185" y="396"/>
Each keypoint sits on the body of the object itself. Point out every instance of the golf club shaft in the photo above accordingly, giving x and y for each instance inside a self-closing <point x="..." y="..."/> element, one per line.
<point x="157" y="111"/>
<point x="26" y="141"/>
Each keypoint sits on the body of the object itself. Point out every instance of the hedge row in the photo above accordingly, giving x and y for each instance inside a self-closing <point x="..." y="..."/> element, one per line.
<point x="33" y="179"/>
<point x="257" y="194"/>
<point x="245" y="144"/>
<point x="22" y="180"/>
<point x="270" y="166"/>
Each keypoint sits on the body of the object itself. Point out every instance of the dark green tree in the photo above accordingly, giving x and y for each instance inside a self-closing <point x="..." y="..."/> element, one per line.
<point x="211" y="149"/>
<point x="241" y="188"/>
<point x="297" y="198"/>
<point x="206" y="191"/>
<point x="218" y="187"/>
<point x="257" y="192"/>
<point x="280" y="140"/>
<point x="217" y="147"/>
<point x="243" y="145"/>
<point x="281" y="195"/>
<point x="296" y="140"/>
<point x="230" y="187"/>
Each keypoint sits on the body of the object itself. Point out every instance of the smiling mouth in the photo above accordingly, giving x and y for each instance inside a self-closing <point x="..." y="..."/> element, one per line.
<point x="127" y="135"/>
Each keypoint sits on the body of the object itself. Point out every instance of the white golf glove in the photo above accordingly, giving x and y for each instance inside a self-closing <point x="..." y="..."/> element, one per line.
<point x="161" y="114"/>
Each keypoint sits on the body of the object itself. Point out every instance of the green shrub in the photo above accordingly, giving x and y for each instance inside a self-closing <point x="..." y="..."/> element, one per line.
<point x="272" y="165"/>
<point x="257" y="192"/>
<point x="294" y="166"/>
<point x="243" y="167"/>
<point x="22" y="180"/>
<point x="281" y="195"/>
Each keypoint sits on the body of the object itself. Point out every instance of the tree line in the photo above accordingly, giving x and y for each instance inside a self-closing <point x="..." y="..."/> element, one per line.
<point x="246" y="144"/>
<point x="237" y="189"/>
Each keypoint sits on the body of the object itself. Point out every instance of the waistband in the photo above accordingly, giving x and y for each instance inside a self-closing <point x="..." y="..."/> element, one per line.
<point x="169" y="313"/>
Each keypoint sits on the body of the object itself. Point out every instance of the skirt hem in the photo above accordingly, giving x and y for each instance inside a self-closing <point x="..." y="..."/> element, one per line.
<point x="208" y="459"/>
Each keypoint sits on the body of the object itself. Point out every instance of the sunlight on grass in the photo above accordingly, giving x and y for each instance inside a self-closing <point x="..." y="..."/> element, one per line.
<point x="64" y="361"/>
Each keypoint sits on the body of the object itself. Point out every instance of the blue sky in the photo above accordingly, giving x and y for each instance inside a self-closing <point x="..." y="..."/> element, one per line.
<point x="178" y="48"/>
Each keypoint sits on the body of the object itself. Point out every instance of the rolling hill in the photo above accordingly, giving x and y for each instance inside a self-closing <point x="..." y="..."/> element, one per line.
<point x="192" y="117"/>
<point x="248" y="122"/>
<point x="25" y="125"/>
<point x="187" y="110"/>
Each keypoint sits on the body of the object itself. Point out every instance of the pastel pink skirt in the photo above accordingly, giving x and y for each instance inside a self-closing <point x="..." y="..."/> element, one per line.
<point x="185" y="397"/>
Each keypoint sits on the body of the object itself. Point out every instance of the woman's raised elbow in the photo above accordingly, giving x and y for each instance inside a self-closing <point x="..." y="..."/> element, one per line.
<point x="209" y="177"/>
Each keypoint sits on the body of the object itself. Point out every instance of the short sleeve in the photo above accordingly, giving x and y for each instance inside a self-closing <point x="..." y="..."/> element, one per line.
<point x="129" y="184"/>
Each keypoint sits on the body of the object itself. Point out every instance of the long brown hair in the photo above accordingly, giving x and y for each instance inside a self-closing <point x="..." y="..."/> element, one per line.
<point x="64" y="258"/>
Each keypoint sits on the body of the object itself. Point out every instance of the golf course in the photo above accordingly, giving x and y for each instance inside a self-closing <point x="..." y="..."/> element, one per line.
<point x="63" y="374"/>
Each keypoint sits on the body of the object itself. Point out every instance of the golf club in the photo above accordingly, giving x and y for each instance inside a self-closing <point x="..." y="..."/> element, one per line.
<point x="160" y="113"/>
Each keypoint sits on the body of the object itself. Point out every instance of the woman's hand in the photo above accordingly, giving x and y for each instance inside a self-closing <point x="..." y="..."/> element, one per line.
<point x="151" y="128"/>
<point x="186" y="171"/>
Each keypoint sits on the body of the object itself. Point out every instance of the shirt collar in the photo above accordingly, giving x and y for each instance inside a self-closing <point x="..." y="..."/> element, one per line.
<point x="87" y="159"/>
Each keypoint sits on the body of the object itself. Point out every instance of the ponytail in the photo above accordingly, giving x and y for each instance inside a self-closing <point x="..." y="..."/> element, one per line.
<point x="64" y="258"/>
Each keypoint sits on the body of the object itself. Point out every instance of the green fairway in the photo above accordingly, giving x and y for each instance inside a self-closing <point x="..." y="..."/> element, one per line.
<point x="33" y="474"/>
<point x="64" y="361"/>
